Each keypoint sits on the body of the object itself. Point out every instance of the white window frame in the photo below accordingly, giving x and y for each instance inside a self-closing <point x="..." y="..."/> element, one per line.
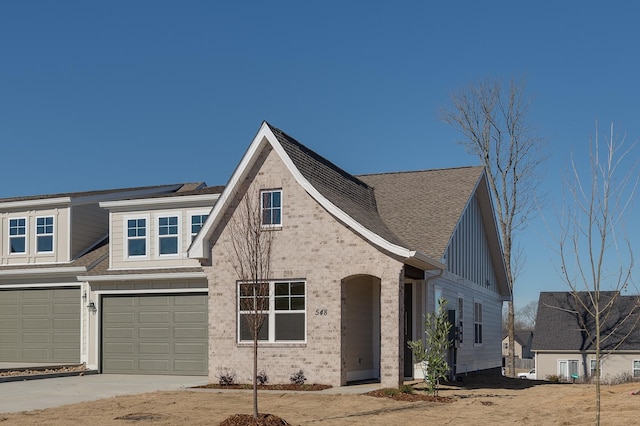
<point x="145" y="238"/>
<point x="271" y="314"/>
<point x="592" y="364"/>
<point x="46" y="234"/>
<point x="635" y="369"/>
<point x="199" y="214"/>
<point x="262" y="207"/>
<point x="177" y="236"/>
<point x="568" y="362"/>
<point x="478" y="329"/>
<point x="23" y="236"/>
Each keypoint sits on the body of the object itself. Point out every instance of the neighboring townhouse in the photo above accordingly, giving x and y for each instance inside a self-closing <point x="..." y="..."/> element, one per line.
<point x="522" y="342"/>
<point x="564" y="336"/>
<point x="357" y="262"/>
<point x="61" y="280"/>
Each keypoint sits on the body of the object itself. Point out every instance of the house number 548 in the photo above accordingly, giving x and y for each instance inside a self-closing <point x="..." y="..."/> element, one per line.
<point x="321" y="312"/>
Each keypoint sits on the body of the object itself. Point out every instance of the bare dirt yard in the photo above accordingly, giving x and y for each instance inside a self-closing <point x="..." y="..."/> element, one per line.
<point x="478" y="401"/>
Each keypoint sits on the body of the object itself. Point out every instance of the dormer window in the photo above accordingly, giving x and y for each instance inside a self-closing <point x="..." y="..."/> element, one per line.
<point x="17" y="235"/>
<point x="168" y="234"/>
<point x="271" y="207"/>
<point x="44" y="234"/>
<point x="137" y="237"/>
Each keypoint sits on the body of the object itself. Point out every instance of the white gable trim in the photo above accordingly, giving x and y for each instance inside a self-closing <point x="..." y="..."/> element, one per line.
<point x="199" y="249"/>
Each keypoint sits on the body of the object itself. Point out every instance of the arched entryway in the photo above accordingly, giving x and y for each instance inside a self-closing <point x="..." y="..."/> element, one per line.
<point x="361" y="328"/>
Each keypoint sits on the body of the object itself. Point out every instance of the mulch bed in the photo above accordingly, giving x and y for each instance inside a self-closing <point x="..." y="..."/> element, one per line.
<point x="248" y="420"/>
<point x="396" y="395"/>
<point x="281" y="387"/>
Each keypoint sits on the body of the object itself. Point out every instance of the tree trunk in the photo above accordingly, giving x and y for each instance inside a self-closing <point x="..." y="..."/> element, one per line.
<point x="511" y="357"/>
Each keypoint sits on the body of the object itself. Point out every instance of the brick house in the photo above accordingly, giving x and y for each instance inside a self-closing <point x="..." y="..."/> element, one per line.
<point x="358" y="261"/>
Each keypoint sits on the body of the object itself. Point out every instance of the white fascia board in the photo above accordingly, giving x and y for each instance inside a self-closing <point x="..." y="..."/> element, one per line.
<point x="41" y="202"/>
<point x="143" y="277"/>
<point x="161" y="201"/>
<point x="199" y="248"/>
<point x="42" y="271"/>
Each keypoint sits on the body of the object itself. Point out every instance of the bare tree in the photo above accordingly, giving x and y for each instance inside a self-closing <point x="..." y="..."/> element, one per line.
<point x="494" y="124"/>
<point x="250" y="255"/>
<point x="594" y="251"/>
<point x="527" y="315"/>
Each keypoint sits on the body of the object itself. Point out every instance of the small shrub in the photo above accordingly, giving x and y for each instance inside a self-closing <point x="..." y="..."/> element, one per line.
<point x="408" y="389"/>
<point x="262" y="378"/>
<point x="618" y="379"/>
<point x="298" y="378"/>
<point x="226" y="377"/>
<point x="390" y="391"/>
<point x="554" y="378"/>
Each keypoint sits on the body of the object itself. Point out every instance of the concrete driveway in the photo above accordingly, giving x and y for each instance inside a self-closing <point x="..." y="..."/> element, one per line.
<point x="38" y="394"/>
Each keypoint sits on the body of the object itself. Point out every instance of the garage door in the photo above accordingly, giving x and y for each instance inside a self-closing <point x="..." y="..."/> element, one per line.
<point x="155" y="334"/>
<point x="40" y="325"/>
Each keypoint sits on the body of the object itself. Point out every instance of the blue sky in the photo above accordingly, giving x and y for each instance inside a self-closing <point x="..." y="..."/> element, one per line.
<point x="97" y="95"/>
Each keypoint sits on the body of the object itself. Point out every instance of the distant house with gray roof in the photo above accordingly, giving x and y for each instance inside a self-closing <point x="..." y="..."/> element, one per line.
<point x="564" y="336"/>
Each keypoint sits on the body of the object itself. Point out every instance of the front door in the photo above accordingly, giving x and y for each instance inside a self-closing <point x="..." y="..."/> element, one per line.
<point x="408" y="329"/>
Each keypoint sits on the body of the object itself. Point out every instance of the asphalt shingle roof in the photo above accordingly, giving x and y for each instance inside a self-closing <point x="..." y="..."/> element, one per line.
<point x="563" y="325"/>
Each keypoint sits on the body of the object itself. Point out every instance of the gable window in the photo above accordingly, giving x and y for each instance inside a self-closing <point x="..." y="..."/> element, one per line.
<point x="477" y="322"/>
<point x="136" y="237"/>
<point x="168" y="235"/>
<point x="44" y="234"/>
<point x="284" y="305"/>
<point x="271" y="207"/>
<point x="636" y="368"/>
<point x="17" y="235"/>
<point x="197" y="220"/>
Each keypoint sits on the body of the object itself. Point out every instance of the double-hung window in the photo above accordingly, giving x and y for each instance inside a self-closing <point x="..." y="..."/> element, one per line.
<point x="271" y="207"/>
<point x="636" y="368"/>
<point x="137" y="237"/>
<point x="44" y="234"/>
<point x="168" y="235"/>
<point x="197" y="220"/>
<point x="17" y="235"/>
<point x="477" y="322"/>
<point x="592" y="369"/>
<point x="282" y="305"/>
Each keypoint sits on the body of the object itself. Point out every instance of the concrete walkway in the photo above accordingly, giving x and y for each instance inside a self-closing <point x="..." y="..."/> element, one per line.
<point x="30" y="395"/>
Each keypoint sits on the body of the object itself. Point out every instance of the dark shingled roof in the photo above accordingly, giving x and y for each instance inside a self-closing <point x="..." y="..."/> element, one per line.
<point x="348" y="193"/>
<point x="423" y="207"/>
<point x="563" y="325"/>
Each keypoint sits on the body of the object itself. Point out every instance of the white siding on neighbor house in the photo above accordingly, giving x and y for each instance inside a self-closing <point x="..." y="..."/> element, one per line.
<point x="613" y="366"/>
<point x="89" y="223"/>
<point x="152" y="259"/>
<point x="60" y="237"/>
<point x="468" y="254"/>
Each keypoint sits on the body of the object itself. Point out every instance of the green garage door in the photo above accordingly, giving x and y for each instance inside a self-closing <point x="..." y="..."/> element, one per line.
<point x="155" y="334"/>
<point x="40" y="325"/>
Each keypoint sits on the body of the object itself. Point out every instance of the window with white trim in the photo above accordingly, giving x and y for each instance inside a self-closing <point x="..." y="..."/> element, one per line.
<point x="168" y="235"/>
<point x="44" y="234"/>
<point x="197" y="220"/>
<point x="18" y="235"/>
<point x="271" y="207"/>
<point x="568" y="368"/>
<point x="283" y="304"/>
<point x="137" y="237"/>
<point x="477" y="322"/>
<point x="592" y="369"/>
<point x="636" y="368"/>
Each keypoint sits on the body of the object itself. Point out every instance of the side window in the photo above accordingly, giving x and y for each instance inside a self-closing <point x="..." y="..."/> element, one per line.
<point x="17" y="235"/>
<point x="636" y="368"/>
<point x="197" y="220"/>
<point x="136" y="237"/>
<point x="168" y="235"/>
<point x="460" y="319"/>
<point x="44" y="234"/>
<point x="271" y="207"/>
<point x="477" y="322"/>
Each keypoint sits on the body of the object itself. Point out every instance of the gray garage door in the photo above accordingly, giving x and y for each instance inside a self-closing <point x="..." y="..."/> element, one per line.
<point x="155" y="334"/>
<point x="40" y="325"/>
